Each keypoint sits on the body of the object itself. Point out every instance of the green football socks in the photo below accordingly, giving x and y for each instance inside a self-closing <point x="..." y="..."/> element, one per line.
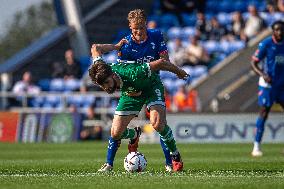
<point x="168" y="138"/>
<point x="128" y="134"/>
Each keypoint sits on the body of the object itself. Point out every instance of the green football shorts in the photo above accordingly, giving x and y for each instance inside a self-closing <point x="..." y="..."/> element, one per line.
<point x="131" y="105"/>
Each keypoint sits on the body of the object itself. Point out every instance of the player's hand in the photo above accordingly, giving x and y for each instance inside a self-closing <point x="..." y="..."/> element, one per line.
<point x="267" y="78"/>
<point x="182" y="74"/>
<point x="120" y="43"/>
<point x="96" y="50"/>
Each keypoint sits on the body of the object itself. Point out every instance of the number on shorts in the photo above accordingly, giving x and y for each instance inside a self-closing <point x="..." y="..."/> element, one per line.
<point x="159" y="94"/>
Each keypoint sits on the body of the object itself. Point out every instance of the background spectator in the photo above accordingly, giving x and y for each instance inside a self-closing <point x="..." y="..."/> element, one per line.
<point x="93" y="132"/>
<point x="254" y="23"/>
<point x="178" y="53"/>
<point x="72" y="67"/>
<point x="201" y="25"/>
<point x="280" y="5"/>
<point x="196" y="54"/>
<point x="24" y="86"/>
<point x="152" y="24"/>
<point x="215" y="30"/>
<point x="238" y="25"/>
<point x="180" y="99"/>
<point x="57" y="70"/>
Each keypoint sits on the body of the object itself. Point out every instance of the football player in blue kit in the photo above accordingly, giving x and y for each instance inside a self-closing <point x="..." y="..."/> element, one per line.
<point x="271" y="80"/>
<point x="143" y="45"/>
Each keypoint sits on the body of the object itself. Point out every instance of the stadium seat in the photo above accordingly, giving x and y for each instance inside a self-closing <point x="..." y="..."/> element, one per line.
<point x="174" y="32"/>
<point x="170" y="85"/>
<point x="171" y="46"/>
<point x="85" y="62"/>
<point x="37" y="102"/>
<point x="52" y="101"/>
<point x="240" y="6"/>
<point x="211" y="46"/>
<point x="44" y="84"/>
<point x="225" y="47"/>
<point x="270" y="18"/>
<point x="225" y="6"/>
<point x="167" y="75"/>
<point x="167" y="21"/>
<point x="71" y="85"/>
<point x="47" y="106"/>
<point x="57" y="85"/>
<point x="245" y="15"/>
<point x="76" y="100"/>
<point x="188" y="19"/>
<point x="236" y="45"/>
<point x="212" y="6"/>
<point x="224" y="18"/>
<point x="199" y="71"/>
<point x="187" y="32"/>
<point x="89" y="100"/>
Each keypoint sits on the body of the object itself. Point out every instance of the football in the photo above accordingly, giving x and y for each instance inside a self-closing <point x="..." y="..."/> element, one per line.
<point x="135" y="162"/>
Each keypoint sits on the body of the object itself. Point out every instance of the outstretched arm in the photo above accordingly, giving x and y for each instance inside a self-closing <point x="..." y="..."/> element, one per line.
<point x="257" y="70"/>
<point x="105" y="48"/>
<point x="162" y="64"/>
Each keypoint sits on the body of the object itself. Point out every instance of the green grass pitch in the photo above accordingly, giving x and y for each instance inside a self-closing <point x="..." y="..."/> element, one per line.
<point x="74" y="165"/>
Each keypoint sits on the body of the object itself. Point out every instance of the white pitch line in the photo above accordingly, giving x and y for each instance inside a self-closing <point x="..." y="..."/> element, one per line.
<point x="191" y="175"/>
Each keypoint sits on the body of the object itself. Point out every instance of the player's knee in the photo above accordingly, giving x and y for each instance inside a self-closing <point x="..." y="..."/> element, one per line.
<point x="158" y="124"/>
<point x="264" y="112"/>
<point x="115" y="135"/>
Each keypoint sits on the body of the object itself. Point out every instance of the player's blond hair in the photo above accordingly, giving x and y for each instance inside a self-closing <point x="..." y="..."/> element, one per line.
<point x="137" y="16"/>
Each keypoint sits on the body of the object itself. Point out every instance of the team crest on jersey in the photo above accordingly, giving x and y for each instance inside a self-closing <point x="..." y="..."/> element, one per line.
<point x="256" y="53"/>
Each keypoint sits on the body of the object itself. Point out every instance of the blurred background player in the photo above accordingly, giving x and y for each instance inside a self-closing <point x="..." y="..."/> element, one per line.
<point x="139" y="85"/>
<point x="271" y="81"/>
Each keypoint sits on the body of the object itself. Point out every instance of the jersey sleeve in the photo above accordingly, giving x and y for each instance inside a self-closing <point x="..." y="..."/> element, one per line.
<point x="162" y="47"/>
<point x="260" y="53"/>
<point x="125" y="52"/>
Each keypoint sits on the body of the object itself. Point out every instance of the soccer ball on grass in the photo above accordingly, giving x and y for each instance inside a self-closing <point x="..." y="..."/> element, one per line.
<point x="135" y="162"/>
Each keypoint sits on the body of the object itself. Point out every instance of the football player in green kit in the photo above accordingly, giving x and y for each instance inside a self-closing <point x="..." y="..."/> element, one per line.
<point x="139" y="84"/>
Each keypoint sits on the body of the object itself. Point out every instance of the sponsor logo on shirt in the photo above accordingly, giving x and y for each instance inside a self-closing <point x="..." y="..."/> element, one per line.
<point x="279" y="59"/>
<point x="153" y="45"/>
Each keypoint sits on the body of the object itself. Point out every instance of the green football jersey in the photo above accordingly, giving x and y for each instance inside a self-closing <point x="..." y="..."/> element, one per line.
<point x="135" y="77"/>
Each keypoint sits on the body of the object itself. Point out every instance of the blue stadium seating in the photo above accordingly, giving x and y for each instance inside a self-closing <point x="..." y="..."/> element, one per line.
<point x="188" y="19"/>
<point x="168" y="20"/>
<point x="174" y="32"/>
<point x="85" y="62"/>
<point x="71" y="85"/>
<point x="211" y="46"/>
<point x="44" y="84"/>
<point x="57" y="85"/>
<point x="187" y="32"/>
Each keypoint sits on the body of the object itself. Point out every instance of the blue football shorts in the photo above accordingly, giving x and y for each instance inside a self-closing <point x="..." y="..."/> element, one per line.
<point x="268" y="96"/>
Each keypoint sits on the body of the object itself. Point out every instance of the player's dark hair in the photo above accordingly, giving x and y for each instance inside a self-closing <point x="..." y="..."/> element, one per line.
<point x="99" y="72"/>
<point x="280" y="22"/>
